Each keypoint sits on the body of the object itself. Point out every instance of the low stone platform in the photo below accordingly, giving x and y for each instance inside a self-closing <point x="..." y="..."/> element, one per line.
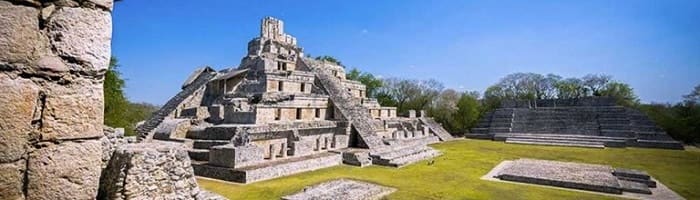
<point x="404" y="155"/>
<point x="269" y="170"/>
<point x="589" y="177"/>
<point x="356" y="157"/>
<point x="342" y="189"/>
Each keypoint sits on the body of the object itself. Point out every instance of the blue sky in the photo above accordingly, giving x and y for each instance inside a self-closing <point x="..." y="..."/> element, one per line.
<point x="468" y="45"/>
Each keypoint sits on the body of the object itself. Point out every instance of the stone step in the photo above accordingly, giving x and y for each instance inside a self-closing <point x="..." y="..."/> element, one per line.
<point x="660" y="144"/>
<point x="413" y="158"/>
<point x="356" y="157"/>
<point x="556" y="143"/>
<point x="405" y="156"/>
<point x="557" y="135"/>
<point x="199" y="154"/>
<point x="206" y="144"/>
<point x="212" y="133"/>
<point x="499" y="130"/>
<point x="400" y="152"/>
<point x="636" y="187"/>
<point x="617" y="133"/>
<point x="480" y="130"/>
<point x="270" y="169"/>
<point x="555" y="140"/>
<point x="439" y="131"/>
<point x="562" y="138"/>
<point x="478" y="136"/>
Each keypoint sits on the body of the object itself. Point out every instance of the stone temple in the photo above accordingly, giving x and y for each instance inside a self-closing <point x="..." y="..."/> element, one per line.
<point x="596" y="122"/>
<point x="280" y="113"/>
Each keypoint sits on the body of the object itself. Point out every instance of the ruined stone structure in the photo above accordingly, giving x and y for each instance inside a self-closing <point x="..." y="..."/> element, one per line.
<point x="587" y="122"/>
<point x="279" y="113"/>
<point x="53" y="56"/>
<point x="628" y="183"/>
<point x="342" y="189"/>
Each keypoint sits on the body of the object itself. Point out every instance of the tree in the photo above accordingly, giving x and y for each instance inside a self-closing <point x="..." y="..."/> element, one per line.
<point x="370" y="81"/>
<point x="116" y="104"/>
<point x="329" y="59"/>
<point x="445" y="108"/>
<point x="493" y="97"/>
<point x="594" y="83"/>
<point x="570" y="88"/>
<point x="621" y="92"/>
<point x="468" y="112"/>
<point x="694" y="95"/>
<point x="119" y="112"/>
<point x="409" y="94"/>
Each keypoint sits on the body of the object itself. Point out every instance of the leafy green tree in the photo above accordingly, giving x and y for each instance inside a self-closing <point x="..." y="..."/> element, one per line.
<point x="595" y="83"/>
<point x="329" y="59"/>
<point x="622" y="92"/>
<point x="445" y="108"/>
<point x="368" y="79"/>
<point x="468" y="112"/>
<point x="115" y="102"/>
<point x="694" y="96"/>
<point x="570" y="88"/>
<point x="119" y="112"/>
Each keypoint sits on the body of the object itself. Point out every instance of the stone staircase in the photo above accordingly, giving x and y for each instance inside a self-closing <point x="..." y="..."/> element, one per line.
<point x="349" y="107"/>
<point x="563" y="140"/>
<point x="147" y="127"/>
<point x="439" y="131"/>
<point x="649" y="134"/>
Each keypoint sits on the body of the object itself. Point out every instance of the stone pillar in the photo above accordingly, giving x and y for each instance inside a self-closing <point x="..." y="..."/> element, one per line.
<point x="53" y="57"/>
<point x="318" y="144"/>
<point x="273" y="151"/>
<point x="411" y="113"/>
<point x="284" y="150"/>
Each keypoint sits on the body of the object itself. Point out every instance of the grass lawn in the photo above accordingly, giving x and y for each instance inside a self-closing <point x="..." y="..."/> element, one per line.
<point x="456" y="174"/>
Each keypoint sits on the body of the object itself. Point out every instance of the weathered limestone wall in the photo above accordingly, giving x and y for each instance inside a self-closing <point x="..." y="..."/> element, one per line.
<point x="53" y="56"/>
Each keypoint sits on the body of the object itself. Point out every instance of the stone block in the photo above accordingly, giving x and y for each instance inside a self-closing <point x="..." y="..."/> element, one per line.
<point x="69" y="169"/>
<point x="19" y="35"/>
<point x="18" y="98"/>
<point x="149" y="171"/>
<point x="12" y="179"/>
<point x="172" y="128"/>
<point x="234" y="157"/>
<point x="69" y="30"/>
<point x="411" y="114"/>
<point x="107" y="4"/>
<point x="73" y="111"/>
<point x="302" y="148"/>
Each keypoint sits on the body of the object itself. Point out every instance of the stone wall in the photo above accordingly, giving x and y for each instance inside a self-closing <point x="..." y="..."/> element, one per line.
<point x="53" y="56"/>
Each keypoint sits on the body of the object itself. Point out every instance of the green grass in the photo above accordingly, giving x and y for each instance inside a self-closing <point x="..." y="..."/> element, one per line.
<point x="456" y="174"/>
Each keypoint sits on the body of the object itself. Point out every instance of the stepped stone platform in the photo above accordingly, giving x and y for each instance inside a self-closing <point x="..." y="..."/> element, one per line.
<point x="342" y="189"/>
<point x="279" y="113"/>
<point x="595" y="122"/>
<point x="589" y="177"/>
<point x="269" y="170"/>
